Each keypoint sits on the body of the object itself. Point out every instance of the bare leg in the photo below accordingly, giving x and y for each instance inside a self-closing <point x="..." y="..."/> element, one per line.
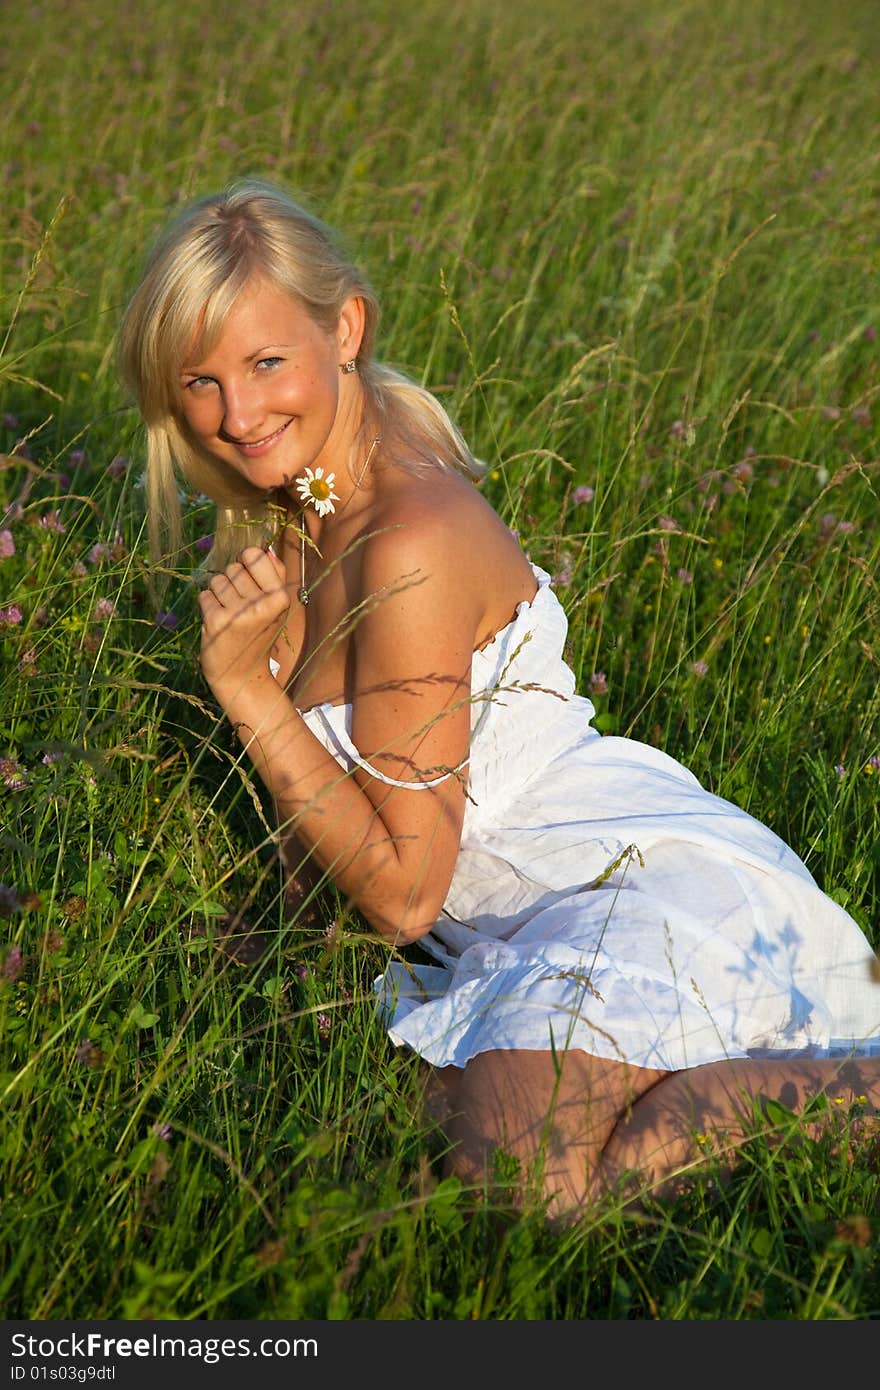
<point x="716" y="1108"/>
<point x="553" y="1118"/>
<point x="595" y="1127"/>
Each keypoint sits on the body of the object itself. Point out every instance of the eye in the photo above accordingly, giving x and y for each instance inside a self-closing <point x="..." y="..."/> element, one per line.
<point x="269" y="363"/>
<point x="198" y="383"/>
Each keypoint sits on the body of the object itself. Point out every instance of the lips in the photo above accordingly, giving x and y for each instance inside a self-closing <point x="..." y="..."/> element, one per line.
<point x="259" y="446"/>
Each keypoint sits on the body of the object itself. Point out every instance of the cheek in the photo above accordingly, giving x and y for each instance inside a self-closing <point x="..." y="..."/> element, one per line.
<point x="199" y="413"/>
<point x="315" y="392"/>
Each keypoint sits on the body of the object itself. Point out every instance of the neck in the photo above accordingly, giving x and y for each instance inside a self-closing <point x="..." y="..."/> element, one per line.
<point x="316" y="527"/>
<point x="353" y="485"/>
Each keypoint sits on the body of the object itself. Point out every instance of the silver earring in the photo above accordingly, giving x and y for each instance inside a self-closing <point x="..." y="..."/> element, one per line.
<point x="350" y="366"/>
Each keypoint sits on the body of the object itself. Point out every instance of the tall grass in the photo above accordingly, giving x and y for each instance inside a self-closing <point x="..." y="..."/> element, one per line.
<point x="634" y="247"/>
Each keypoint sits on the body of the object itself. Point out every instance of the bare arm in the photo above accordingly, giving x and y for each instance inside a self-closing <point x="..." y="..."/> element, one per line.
<point x="390" y="849"/>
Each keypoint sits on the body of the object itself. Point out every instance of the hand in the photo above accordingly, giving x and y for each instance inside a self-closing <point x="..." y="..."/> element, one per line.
<point x="243" y="610"/>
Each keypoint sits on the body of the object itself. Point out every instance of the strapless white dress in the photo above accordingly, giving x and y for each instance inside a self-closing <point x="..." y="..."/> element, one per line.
<point x="604" y="900"/>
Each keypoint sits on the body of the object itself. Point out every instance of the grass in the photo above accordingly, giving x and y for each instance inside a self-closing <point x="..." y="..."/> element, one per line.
<point x="634" y="248"/>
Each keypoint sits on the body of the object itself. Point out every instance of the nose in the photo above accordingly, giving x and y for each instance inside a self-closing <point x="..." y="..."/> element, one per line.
<point x="242" y="410"/>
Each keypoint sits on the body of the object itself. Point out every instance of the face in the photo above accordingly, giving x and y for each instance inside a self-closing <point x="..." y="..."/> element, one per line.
<point x="266" y="398"/>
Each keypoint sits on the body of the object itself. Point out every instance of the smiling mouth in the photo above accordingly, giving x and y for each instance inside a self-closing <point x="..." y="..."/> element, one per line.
<point x="250" y="445"/>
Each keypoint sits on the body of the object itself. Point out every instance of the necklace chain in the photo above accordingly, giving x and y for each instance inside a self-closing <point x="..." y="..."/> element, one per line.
<point x="303" y="594"/>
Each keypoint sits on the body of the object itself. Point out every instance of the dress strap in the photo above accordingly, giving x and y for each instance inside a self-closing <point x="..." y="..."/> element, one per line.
<point x="342" y="738"/>
<point x="392" y="781"/>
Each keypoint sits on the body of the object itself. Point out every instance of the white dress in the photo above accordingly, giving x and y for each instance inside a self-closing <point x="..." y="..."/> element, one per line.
<point x="604" y="900"/>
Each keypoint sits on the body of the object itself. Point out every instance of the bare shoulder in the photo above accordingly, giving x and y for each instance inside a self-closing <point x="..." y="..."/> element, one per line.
<point x="436" y="532"/>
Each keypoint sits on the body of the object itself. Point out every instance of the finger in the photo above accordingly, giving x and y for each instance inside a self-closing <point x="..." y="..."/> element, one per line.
<point x="234" y="582"/>
<point x="264" y="567"/>
<point x="277" y="563"/>
<point x="211" y="608"/>
<point x="219" y="586"/>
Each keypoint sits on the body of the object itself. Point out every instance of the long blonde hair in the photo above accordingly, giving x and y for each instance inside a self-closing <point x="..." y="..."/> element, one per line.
<point x="194" y="274"/>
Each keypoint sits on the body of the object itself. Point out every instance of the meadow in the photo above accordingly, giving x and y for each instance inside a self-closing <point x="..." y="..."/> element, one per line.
<point x="634" y="248"/>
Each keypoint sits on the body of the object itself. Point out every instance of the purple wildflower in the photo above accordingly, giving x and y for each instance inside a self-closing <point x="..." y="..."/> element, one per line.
<point x="10" y="421"/>
<point x="831" y="412"/>
<point x="52" y="522"/>
<point x="53" y="756"/>
<point x="678" y="429"/>
<point x="11" y="616"/>
<point x="22" y="450"/>
<point x="685" y="576"/>
<point x="668" y="523"/>
<point x="840" y="769"/>
<point x="167" y="620"/>
<point x="700" y="668"/>
<point x="117" y="466"/>
<point x="13" y="964"/>
<point x="862" y="416"/>
<point x="204" y="543"/>
<point x="77" y="458"/>
<point x="583" y="494"/>
<point x="12" y="774"/>
<point x="7" y="545"/>
<point x="875" y="762"/>
<point x="161" y="1131"/>
<point x="598" y="683"/>
<point x="323" y="1022"/>
<point x="870" y="332"/>
<point x="98" y="553"/>
<point x="27" y="662"/>
<point x="562" y="578"/>
<point x="105" y="608"/>
<point x="78" y="570"/>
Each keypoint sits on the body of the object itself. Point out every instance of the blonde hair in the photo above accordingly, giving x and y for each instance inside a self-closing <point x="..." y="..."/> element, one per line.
<point x="193" y="276"/>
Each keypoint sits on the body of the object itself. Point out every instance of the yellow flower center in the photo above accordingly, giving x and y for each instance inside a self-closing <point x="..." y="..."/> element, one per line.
<point x="319" y="489"/>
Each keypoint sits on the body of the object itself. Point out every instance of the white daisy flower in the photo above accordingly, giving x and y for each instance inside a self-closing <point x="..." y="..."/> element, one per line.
<point x="316" y="490"/>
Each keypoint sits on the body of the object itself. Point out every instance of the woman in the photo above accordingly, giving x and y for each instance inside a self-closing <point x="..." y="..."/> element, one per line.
<point x="627" y="962"/>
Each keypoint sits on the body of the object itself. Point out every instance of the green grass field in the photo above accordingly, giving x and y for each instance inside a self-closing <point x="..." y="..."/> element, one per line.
<point x="634" y="248"/>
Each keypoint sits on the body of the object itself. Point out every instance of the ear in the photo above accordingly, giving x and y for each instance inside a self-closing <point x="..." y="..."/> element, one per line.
<point x="350" y="329"/>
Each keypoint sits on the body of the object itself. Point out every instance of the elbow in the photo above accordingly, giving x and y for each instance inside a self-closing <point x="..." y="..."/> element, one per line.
<point x="402" y="902"/>
<point x="405" y="922"/>
<point x="406" y="935"/>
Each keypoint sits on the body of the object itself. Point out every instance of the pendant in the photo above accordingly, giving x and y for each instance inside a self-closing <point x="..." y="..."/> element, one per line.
<point x="303" y="596"/>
